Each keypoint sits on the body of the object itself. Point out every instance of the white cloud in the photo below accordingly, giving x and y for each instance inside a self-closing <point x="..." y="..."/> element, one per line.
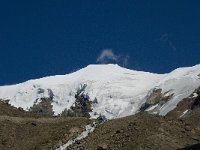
<point x="108" y="56"/>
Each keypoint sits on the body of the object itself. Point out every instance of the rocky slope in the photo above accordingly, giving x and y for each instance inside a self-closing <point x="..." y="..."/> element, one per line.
<point x="144" y="131"/>
<point x="104" y="90"/>
<point x="24" y="130"/>
<point x="20" y="130"/>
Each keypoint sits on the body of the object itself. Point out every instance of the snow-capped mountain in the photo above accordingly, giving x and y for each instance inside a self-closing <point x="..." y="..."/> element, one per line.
<point x="112" y="90"/>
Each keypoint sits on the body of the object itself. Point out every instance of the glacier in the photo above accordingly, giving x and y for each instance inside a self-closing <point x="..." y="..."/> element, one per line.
<point x="118" y="91"/>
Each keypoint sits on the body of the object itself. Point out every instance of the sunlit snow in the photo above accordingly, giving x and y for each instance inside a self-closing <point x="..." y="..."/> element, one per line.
<point x="119" y="91"/>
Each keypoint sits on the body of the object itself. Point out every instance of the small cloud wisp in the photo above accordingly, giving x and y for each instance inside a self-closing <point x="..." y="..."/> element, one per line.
<point x="108" y="56"/>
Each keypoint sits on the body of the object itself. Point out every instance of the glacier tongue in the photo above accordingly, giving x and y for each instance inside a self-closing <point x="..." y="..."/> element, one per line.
<point x="118" y="91"/>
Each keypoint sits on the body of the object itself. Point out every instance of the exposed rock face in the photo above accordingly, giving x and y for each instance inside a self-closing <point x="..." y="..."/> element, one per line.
<point x="156" y="97"/>
<point x="50" y="93"/>
<point x="40" y="91"/>
<point x="43" y="105"/>
<point x="186" y="105"/>
<point x="43" y="108"/>
<point x="81" y="108"/>
<point x="82" y="105"/>
<point x="196" y="96"/>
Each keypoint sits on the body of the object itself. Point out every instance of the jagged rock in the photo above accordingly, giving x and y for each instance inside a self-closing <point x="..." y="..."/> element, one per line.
<point x="101" y="118"/>
<point x="20" y="109"/>
<point x="95" y="101"/>
<point x="50" y="93"/>
<point x="5" y="101"/>
<point x="81" y="89"/>
<point x="155" y="97"/>
<point x="186" y="105"/>
<point x="196" y="102"/>
<point x="43" y="108"/>
<point x="40" y="91"/>
<point x="82" y="105"/>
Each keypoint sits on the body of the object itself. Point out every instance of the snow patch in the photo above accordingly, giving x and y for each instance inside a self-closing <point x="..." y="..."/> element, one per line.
<point x="88" y="129"/>
<point x="195" y="95"/>
<point x="184" y="113"/>
<point x="152" y="107"/>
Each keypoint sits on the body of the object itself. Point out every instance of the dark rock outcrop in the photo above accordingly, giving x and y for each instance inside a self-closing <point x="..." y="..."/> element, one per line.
<point x="186" y="105"/>
<point x="196" y="102"/>
<point x="81" y="108"/>
<point x="155" y="97"/>
<point x="44" y="107"/>
<point x="82" y="105"/>
<point x="50" y="93"/>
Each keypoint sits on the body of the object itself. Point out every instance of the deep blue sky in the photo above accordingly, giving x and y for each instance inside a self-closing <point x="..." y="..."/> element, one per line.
<point x="47" y="37"/>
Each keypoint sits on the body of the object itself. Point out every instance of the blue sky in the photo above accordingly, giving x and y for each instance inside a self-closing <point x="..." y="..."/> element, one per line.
<point x="47" y="37"/>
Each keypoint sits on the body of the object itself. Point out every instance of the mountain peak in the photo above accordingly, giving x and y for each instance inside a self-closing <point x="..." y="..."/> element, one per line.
<point x="114" y="91"/>
<point x="103" y="67"/>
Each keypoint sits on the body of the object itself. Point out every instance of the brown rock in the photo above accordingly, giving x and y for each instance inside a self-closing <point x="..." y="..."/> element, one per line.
<point x="102" y="146"/>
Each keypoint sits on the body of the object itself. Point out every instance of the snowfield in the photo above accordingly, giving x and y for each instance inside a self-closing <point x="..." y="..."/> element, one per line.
<point x="119" y="91"/>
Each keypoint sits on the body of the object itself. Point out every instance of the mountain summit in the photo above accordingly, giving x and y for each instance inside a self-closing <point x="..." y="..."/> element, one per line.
<point x="105" y="90"/>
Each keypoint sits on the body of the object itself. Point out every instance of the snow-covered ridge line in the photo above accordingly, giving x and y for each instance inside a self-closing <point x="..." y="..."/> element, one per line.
<point x="117" y="91"/>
